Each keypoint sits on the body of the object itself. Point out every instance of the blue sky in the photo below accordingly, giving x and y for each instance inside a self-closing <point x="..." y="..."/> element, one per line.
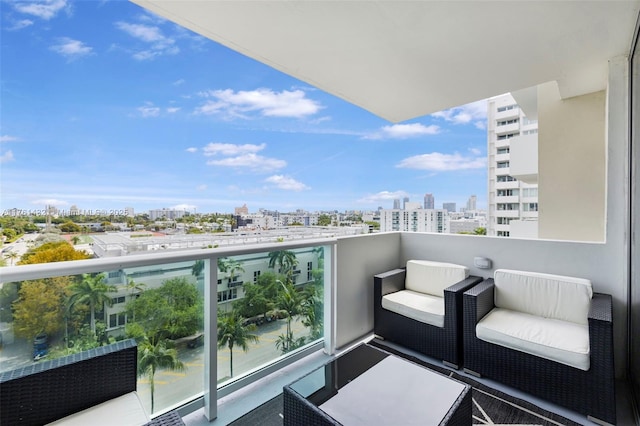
<point x="105" y="105"/>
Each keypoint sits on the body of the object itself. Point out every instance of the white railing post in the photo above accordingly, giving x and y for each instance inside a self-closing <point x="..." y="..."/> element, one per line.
<point x="210" y="339"/>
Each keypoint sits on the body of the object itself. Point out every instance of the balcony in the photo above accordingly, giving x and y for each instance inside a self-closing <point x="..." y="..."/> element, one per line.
<point x="524" y="158"/>
<point x="347" y="317"/>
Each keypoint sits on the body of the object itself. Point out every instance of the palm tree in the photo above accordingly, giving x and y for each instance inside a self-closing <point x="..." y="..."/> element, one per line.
<point x="289" y="300"/>
<point x="232" y="332"/>
<point x="12" y="255"/>
<point x="154" y="355"/>
<point x="312" y="310"/>
<point x="198" y="268"/>
<point x="134" y="287"/>
<point x="285" y="260"/>
<point x="91" y="290"/>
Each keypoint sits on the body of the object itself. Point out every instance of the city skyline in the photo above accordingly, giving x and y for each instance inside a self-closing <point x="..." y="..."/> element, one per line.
<point x="107" y="106"/>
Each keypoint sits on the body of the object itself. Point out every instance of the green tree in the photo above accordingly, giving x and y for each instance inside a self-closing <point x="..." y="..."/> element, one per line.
<point x="290" y="301"/>
<point x="284" y="260"/>
<point x="154" y="355"/>
<point x="324" y="220"/>
<point x="312" y="311"/>
<point x="69" y="227"/>
<point x="198" y="268"/>
<point x="173" y="310"/>
<point x="230" y="265"/>
<point x="58" y="251"/>
<point x="75" y="240"/>
<point x="480" y="231"/>
<point x="93" y="291"/>
<point x="40" y="306"/>
<point x="254" y="301"/>
<point x="12" y="255"/>
<point x="232" y="332"/>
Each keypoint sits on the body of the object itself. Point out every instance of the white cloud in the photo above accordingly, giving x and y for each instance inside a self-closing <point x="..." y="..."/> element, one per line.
<point x="192" y="149"/>
<point x="152" y="35"/>
<point x="231" y="149"/>
<point x="18" y="25"/>
<point x="475" y="112"/>
<point x="7" y="138"/>
<point x="42" y="9"/>
<point x="475" y="151"/>
<point x="265" y="102"/>
<point x="50" y="202"/>
<point x="179" y="82"/>
<point x="70" y="48"/>
<point x="6" y="157"/>
<point x="173" y="110"/>
<point x="251" y="161"/>
<point x="383" y="196"/>
<point x="187" y="207"/>
<point x="202" y="187"/>
<point x="149" y="111"/>
<point x="404" y="131"/>
<point x="439" y="162"/>
<point x="286" y="183"/>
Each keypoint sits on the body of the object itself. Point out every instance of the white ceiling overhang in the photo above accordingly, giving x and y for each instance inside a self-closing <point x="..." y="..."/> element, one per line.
<point x="405" y="59"/>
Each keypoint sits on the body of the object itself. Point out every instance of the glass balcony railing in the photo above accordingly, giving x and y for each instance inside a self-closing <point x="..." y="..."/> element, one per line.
<point x="269" y="305"/>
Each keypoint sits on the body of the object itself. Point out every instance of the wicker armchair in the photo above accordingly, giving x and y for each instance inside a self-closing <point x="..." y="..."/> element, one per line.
<point x="590" y="392"/>
<point x="443" y="343"/>
<point x="50" y="390"/>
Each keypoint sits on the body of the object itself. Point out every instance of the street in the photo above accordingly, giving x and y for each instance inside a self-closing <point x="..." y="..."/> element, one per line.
<point x="172" y="387"/>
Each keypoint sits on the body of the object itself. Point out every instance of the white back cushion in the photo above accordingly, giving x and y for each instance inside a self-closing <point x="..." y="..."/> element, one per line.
<point x="432" y="278"/>
<point x="544" y="295"/>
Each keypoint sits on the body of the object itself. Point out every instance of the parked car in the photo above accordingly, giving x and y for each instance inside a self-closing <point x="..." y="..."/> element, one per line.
<point x="196" y="341"/>
<point x="40" y="346"/>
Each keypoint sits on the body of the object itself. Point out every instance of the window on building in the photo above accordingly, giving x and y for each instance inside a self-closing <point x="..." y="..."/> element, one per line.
<point x="309" y="271"/>
<point x="529" y="207"/>
<point x="117" y="300"/>
<point x="117" y="320"/>
<point x="503" y="150"/>
<point x="530" y="132"/>
<point x="504" y="220"/>
<point x="502" y="164"/>
<point x="508" y="136"/>
<point x="507" y="206"/>
<point x="507" y="122"/>
<point x="505" y="178"/>
<point x="507" y="108"/>
<point x="256" y="274"/>
<point x="530" y="192"/>
<point x="507" y="192"/>
<point x="503" y="233"/>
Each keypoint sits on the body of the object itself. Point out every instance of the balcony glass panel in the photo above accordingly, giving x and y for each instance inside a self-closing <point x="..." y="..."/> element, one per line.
<point x="161" y="306"/>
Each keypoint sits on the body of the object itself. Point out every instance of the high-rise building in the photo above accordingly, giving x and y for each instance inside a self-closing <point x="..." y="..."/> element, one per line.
<point x="449" y="207"/>
<point x="472" y="203"/>
<point x="429" y="202"/>
<point x="512" y="149"/>
<point x="417" y="220"/>
<point x="405" y="200"/>
<point x="396" y="203"/>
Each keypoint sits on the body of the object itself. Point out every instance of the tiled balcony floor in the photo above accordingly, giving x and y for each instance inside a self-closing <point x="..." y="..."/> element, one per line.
<point x="242" y="401"/>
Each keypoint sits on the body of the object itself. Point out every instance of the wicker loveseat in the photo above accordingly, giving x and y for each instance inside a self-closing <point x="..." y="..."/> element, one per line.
<point x="420" y="308"/>
<point x="51" y="390"/>
<point x="547" y="335"/>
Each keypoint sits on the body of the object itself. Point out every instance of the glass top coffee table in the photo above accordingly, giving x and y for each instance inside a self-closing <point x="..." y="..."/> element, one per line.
<point x="367" y="386"/>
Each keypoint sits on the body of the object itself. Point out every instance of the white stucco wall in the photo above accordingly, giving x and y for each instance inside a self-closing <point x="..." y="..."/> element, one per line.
<point x="571" y="164"/>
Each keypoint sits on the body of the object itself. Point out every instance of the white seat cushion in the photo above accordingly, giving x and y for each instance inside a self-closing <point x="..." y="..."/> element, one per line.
<point x="418" y="306"/>
<point x="125" y="410"/>
<point x="562" y="341"/>
<point x="544" y="295"/>
<point x="433" y="277"/>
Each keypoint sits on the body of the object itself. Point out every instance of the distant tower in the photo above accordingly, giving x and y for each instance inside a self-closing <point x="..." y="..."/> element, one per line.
<point x="429" y="202"/>
<point x="405" y="200"/>
<point x="471" y="203"/>
<point x="449" y="207"/>
<point x="396" y="204"/>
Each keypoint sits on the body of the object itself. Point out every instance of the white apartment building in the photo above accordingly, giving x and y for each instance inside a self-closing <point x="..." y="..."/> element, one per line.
<point x="512" y="150"/>
<point x="417" y="220"/>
